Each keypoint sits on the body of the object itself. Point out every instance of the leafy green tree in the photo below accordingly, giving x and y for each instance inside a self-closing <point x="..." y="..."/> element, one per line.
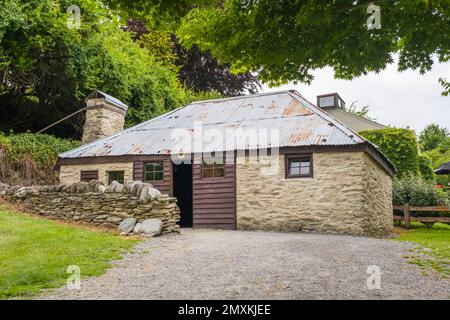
<point x="47" y="68"/>
<point x="426" y="167"/>
<point x="432" y="136"/>
<point x="286" y="40"/>
<point x="446" y="85"/>
<point x="196" y="69"/>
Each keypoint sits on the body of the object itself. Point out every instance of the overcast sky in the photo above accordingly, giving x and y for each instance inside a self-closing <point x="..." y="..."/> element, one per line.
<point x="399" y="99"/>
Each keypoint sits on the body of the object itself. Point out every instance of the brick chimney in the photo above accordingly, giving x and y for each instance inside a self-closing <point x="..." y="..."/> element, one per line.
<point x="331" y="100"/>
<point x="105" y="115"/>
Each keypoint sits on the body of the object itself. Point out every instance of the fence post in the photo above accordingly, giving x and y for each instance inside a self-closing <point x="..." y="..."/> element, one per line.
<point x="406" y="217"/>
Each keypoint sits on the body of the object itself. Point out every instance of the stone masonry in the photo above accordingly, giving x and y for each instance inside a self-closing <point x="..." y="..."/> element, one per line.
<point x="96" y="204"/>
<point x="349" y="193"/>
<point x="102" y="120"/>
<point x="70" y="174"/>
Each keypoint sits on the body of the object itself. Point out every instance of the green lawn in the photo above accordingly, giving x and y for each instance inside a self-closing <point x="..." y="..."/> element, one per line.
<point x="434" y="249"/>
<point x="35" y="253"/>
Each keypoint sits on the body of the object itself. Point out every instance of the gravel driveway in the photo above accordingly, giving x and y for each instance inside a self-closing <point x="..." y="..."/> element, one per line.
<point x="215" y="264"/>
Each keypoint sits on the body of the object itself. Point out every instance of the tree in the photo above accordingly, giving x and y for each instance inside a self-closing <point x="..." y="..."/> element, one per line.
<point x="286" y="40"/>
<point x="446" y="85"/>
<point x="363" y="112"/>
<point x="47" y="68"/>
<point x="197" y="69"/>
<point x="426" y="167"/>
<point x="432" y="136"/>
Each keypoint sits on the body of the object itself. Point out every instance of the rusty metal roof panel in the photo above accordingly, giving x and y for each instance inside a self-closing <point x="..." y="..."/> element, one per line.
<point x="297" y="121"/>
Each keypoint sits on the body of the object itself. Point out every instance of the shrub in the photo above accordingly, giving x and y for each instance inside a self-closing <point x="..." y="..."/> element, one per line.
<point x="417" y="191"/>
<point x="399" y="145"/>
<point x="426" y="167"/>
<point x="28" y="158"/>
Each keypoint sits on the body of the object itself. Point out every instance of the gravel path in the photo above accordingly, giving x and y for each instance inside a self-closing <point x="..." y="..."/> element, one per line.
<point x="213" y="264"/>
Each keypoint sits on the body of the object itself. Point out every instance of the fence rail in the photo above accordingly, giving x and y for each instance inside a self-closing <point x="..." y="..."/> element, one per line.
<point x="406" y="208"/>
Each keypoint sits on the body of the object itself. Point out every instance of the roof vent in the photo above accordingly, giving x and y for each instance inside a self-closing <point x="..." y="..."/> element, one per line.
<point x="331" y="100"/>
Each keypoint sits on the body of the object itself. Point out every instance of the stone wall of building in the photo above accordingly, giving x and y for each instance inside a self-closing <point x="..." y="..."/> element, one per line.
<point x="96" y="204"/>
<point x="337" y="199"/>
<point x="71" y="173"/>
<point x="377" y="198"/>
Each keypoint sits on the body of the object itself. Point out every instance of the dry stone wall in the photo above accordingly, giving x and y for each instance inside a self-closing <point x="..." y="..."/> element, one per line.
<point x="97" y="204"/>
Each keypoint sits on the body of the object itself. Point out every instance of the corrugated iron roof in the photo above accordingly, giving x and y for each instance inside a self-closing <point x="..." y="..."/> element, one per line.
<point x="298" y="122"/>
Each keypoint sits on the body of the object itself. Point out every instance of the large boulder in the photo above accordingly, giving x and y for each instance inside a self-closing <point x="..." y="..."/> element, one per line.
<point x="138" y="186"/>
<point x="127" y="225"/>
<point x="93" y="185"/>
<point x="100" y="188"/>
<point x="78" y="187"/>
<point x="147" y="194"/>
<point x="137" y="228"/>
<point x="114" y="187"/>
<point x="151" y="227"/>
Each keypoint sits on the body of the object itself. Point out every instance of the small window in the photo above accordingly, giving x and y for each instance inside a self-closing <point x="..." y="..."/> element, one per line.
<point x="87" y="176"/>
<point x="154" y="171"/>
<point x="116" y="176"/>
<point x="299" y="166"/>
<point x="213" y="170"/>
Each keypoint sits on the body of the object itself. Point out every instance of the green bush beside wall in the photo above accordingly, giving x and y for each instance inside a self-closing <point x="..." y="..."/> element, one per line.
<point x="28" y="158"/>
<point x="399" y="145"/>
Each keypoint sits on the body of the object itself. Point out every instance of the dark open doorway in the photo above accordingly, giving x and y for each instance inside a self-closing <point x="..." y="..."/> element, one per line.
<point x="182" y="190"/>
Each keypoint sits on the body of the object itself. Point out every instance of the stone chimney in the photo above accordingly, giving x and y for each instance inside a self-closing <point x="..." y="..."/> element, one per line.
<point x="105" y="115"/>
<point x="331" y="100"/>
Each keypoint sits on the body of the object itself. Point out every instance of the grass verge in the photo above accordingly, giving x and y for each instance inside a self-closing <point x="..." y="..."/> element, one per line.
<point x="434" y="246"/>
<point x="35" y="253"/>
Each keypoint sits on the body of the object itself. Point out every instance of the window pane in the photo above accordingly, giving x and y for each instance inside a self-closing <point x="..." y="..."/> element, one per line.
<point x="149" y="176"/>
<point x="208" y="172"/>
<point x="219" y="172"/>
<point x="159" y="166"/>
<point x="304" y="170"/>
<point x="294" y="171"/>
<point x="149" y="167"/>
<point x="158" y="175"/>
<point x="295" y="163"/>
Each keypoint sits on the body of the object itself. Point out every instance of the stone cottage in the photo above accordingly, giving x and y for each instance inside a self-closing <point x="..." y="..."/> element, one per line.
<point x="271" y="161"/>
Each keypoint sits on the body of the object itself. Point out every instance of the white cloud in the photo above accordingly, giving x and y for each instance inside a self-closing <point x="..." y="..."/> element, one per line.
<point x="400" y="99"/>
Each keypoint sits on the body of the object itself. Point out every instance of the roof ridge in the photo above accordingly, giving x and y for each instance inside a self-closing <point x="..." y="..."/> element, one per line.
<point x="359" y="117"/>
<point x="321" y="113"/>
<point x="245" y="96"/>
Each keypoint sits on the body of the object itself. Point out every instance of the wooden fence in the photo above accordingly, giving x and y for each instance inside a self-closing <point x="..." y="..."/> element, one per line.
<point x="428" y="221"/>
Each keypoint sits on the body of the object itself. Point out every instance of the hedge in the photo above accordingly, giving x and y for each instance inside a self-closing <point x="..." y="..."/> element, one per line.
<point x="399" y="145"/>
